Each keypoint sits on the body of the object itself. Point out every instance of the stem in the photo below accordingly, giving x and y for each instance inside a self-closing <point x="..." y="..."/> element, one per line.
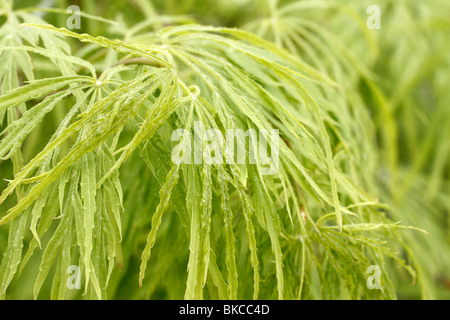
<point x="143" y="61"/>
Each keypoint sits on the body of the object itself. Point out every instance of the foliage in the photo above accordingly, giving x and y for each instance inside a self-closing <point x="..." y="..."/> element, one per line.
<point x="86" y="143"/>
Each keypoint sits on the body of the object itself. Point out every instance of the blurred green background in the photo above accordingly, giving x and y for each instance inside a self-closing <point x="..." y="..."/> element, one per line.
<point x="400" y="73"/>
